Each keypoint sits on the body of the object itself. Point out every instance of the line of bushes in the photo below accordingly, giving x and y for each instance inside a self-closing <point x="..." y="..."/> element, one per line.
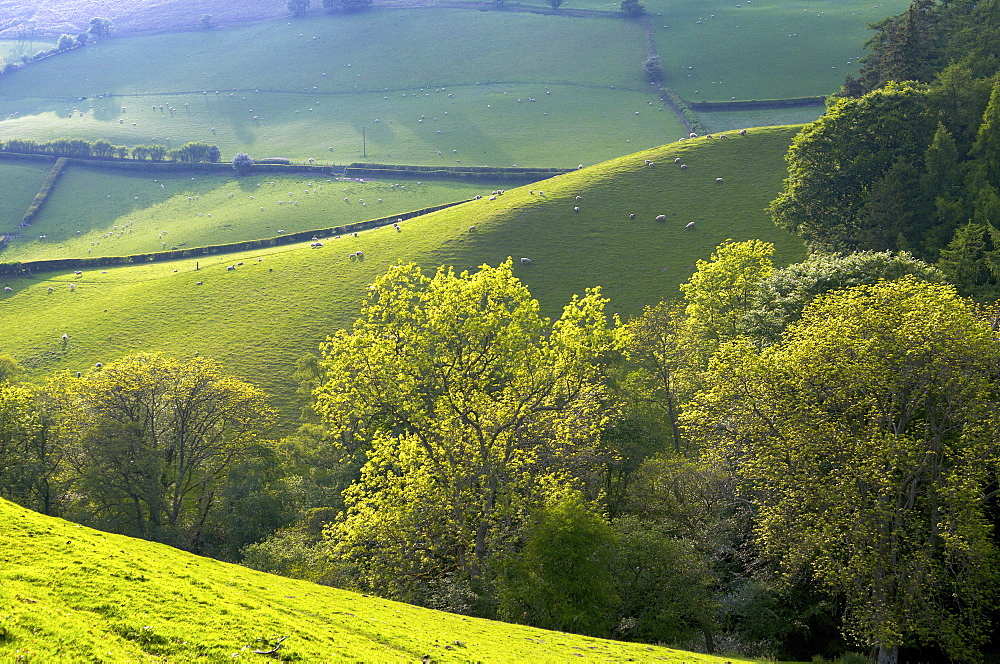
<point x="689" y="117"/>
<point x="29" y="267"/>
<point x="43" y="192"/>
<point x="193" y="152"/>
<point x="756" y="104"/>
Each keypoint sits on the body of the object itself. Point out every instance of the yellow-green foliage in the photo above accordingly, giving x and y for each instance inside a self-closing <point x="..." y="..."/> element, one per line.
<point x="69" y="593"/>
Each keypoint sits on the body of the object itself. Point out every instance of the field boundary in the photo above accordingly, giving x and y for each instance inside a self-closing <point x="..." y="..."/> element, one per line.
<point x="28" y="268"/>
<point x="755" y="104"/>
<point x="43" y="193"/>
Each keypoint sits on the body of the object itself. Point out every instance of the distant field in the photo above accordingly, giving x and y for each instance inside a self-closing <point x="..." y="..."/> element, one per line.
<point x="715" y="121"/>
<point x="19" y="182"/>
<point x="259" y="318"/>
<point x="445" y="80"/>
<point x="11" y="50"/>
<point x="100" y="213"/>
<point x="714" y="50"/>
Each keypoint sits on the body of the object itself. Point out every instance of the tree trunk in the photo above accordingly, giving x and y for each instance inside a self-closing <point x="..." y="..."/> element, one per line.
<point x="887" y="655"/>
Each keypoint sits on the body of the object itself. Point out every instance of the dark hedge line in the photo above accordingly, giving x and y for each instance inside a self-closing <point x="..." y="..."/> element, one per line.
<point x="30" y="267"/>
<point x="43" y="192"/>
<point x="690" y="119"/>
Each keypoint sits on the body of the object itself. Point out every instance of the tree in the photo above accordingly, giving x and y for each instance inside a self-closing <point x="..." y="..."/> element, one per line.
<point x="783" y="295"/>
<point x="721" y="291"/>
<point x="66" y="42"/>
<point x="632" y="8"/>
<point x="150" y="440"/>
<point x="461" y="398"/>
<point x="866" y="442"/>
<point x="27" y="457"/>
<point x="298" y="7"/>
<point x="100" y="27"/>
<point x="653" y="68"/>
<point x="832" y="163"/>
<point x="561" y="578"/>
<point x="83" y="38"/>
<point x="555" y="4"/>
<point x="242" y="163"/>
<point x="206" y="22"/>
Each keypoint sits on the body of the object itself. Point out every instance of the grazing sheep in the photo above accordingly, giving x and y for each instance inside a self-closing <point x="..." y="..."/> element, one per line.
<point x="316" y="245"/>
<point x="743" y="132"/>
<point x="632" y="216"/>
<point x="493" y="198"/>
<point x="472" y="229"/>
<point x="576" y="209"/>
<point x="693" y="135"/>
<point x="65" y="337"/>
<point x="78" y="273"/>
<point x="51" y="289"/>
<point x="690" y="224"/>
<point x="677" y="160"/>
<point x="525" y="261"/>
<point x="240" y="263"/>
<point x="72" y="286"/>
<point x="661" y="217"/>
<point x="199" y="283"/>
<point x="98" y="365"/>
<point x="683" y="167"/>
<point x="360" y="254"/>
<point x="352" y="257"/>
<point x="8" y="289"/>
<point x="579" y="198"/>
<point x="230" y="267"/>
<point x="719" y="180"/>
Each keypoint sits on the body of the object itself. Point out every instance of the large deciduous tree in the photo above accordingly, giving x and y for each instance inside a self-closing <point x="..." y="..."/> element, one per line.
<point x="462" y="397"/>
<point x="866" y="440"/>
<point x="149" y="441"/>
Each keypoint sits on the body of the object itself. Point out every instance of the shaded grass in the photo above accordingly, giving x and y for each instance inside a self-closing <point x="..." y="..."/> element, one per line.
<point x="259" y="318"/>
<point x="715" y="121"/>
<point x="19" y="182"/>
<point x="69" y="593"/>
<point x="762" y="49"/>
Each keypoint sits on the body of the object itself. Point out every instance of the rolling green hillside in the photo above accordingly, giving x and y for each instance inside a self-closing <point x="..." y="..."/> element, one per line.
<point x="69" y="593"/>
<point x="94" y="212"/>
<point x="260" y="317"/>
<point x="21" y="181"/>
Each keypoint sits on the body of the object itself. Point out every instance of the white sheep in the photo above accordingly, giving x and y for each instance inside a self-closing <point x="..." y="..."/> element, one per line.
<point x="65" y="337"/>
<point x="8" y="289"/>
<point x="677" y="160"/>
<point x="525" y="261"/>
<point x="690" y="224"/>
<point x="743" y="132"/>
<point x="661" y="217"/>
<point x="719" y="180"/>
<point x="576" y="209"/>
<point x="693" y="135"/>
<point x="683" y="167"/>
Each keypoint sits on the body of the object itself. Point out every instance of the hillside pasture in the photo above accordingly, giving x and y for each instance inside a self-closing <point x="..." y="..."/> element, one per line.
<point x="260" y="317"/>
<point x="20" y="182"/>
<point x="716" y="121"/>
<point x="717" y="50"/>
<point x="70" y="593"/>
<point x="446" y="80"/>
<point x="95" y="212"/>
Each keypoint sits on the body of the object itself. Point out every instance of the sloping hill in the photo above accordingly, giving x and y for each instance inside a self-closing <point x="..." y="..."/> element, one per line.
<point x="69" y="593"/>
<point x="261" y="316"/>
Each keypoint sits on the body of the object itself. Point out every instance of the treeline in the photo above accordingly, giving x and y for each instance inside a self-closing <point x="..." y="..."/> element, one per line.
<point x="788" y="463"/>
<point x="99" y="27"/>
<point x="190" y="153"/>
<point x="912" y="163"/>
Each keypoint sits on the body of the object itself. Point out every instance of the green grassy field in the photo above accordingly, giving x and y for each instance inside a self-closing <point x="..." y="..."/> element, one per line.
<point x="20" y="182"/>
<point x="11" y="50"/>
<point x="259" y="318"/>
<point x="715" y="121"/>
<point x="100" y="213"/>
<point x="69" y="593"/>
<point x="325" y="79"/>
<point x="762" y="49"/>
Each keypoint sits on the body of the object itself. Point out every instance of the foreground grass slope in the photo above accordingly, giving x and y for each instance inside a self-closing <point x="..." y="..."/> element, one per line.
<point x="69" y="593"/>
<point x="260" y="317"/>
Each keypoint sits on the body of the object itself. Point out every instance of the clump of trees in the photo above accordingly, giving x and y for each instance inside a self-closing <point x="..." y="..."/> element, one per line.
<point x="194" y="152"/>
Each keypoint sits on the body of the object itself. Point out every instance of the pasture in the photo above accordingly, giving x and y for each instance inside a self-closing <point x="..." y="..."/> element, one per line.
<point x="260" y="317"/>
<point x="20" y="182"/>
<point x="95" y="212"/>
<point x="70" y="593"/>
<point x="447" y="80"/>
<point x="717" y="50"/>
